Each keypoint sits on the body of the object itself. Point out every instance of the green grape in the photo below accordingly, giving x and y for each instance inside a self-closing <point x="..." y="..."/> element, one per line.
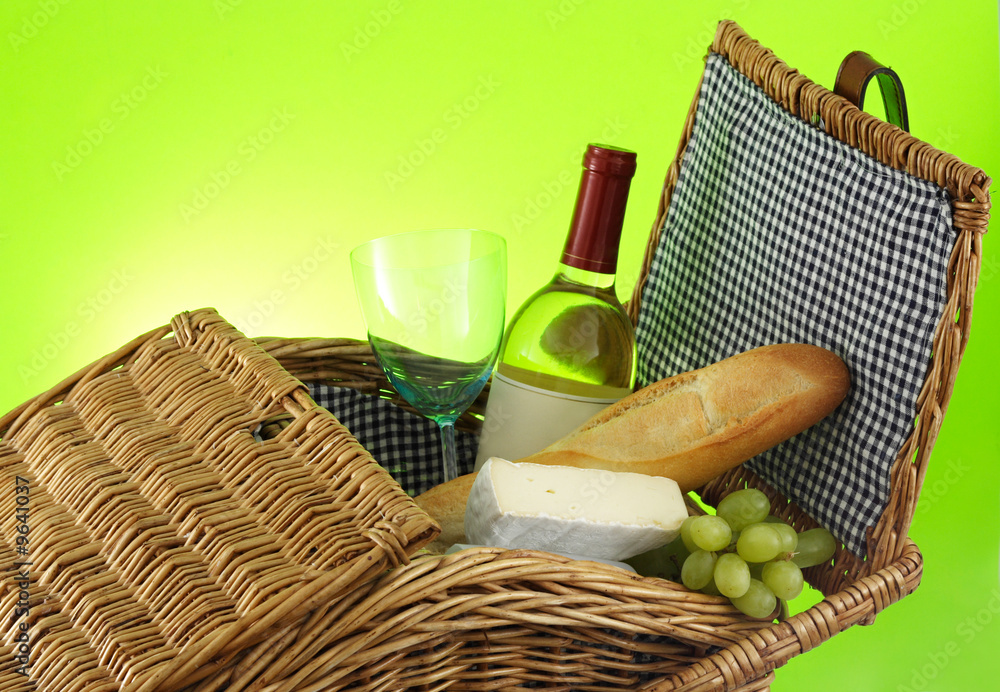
<point x="815" y="547"/>
<point x="664" y="562"/>
<point x="697" y="570"/>
<point x="710" y="588"/>
<point x="784" y="578"/>
<point x="710" y="533"/>
<point x="758" y="602"/>
<point x="759" y="543"/>
<point x="732" y="575"/>
<point x="789" y="537"/>
<point x="757" y="569"/>
<point x="686" y="534"/>
<point x="744" y="507"/>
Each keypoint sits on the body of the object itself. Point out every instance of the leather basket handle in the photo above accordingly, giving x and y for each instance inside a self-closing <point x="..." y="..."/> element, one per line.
<point x="857" y="70"/>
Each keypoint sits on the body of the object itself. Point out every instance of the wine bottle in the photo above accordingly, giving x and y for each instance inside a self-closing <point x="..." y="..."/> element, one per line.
<point x="569" y="350"/>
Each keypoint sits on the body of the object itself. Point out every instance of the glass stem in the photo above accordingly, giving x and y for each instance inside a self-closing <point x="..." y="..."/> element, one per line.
<point x="448" y="451"/>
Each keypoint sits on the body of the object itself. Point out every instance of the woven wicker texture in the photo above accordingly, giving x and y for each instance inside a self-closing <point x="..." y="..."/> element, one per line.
<point x="348" y="363"/>
<point x="487" y="619"/>
<point x="163" y="538"/>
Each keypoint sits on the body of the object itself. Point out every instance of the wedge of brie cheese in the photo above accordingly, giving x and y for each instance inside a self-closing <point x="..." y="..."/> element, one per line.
<point x="562" y="509"/>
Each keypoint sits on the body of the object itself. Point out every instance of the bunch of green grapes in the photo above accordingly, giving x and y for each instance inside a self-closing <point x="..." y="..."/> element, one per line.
<point x="746" y="554"/>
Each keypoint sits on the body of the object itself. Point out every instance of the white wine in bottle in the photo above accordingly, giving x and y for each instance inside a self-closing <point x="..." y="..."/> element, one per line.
<point x="569" y="351"/>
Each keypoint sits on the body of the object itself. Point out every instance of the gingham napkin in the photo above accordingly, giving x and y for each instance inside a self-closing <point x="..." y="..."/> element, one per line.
<point x="777" y="232"/>
<point x="408" y="446"/>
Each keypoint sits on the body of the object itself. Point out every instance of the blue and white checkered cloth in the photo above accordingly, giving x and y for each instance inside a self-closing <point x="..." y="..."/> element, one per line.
<point x="405" y="444"/>
<point x="777" y="232"/>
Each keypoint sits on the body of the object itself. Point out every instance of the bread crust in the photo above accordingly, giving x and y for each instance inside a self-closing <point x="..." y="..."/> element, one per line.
<point x="445" y="503"/>
<point x="696" y="425"/>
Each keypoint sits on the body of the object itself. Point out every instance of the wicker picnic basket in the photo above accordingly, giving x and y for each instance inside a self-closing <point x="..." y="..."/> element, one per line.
<point x="198" y="522"/>
<point x="582" y="631"/>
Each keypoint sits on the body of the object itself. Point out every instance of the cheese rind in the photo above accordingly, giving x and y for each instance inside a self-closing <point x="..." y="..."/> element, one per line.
<point x="600" y="514"/>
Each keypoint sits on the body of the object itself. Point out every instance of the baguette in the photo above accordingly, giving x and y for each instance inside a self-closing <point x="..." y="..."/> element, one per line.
<point x="445" y="503"/>
<point x="696" y="425"/>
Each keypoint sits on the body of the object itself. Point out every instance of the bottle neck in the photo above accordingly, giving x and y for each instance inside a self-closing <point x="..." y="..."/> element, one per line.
<point x="596" y="228"/>
<point x="583" y="278"/>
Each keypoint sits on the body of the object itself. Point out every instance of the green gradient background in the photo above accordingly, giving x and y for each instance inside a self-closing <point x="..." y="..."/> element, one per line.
<point x="290" y="119"/>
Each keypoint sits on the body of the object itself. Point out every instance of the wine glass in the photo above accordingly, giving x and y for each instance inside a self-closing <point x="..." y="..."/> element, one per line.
<point x="434" y="305"/>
